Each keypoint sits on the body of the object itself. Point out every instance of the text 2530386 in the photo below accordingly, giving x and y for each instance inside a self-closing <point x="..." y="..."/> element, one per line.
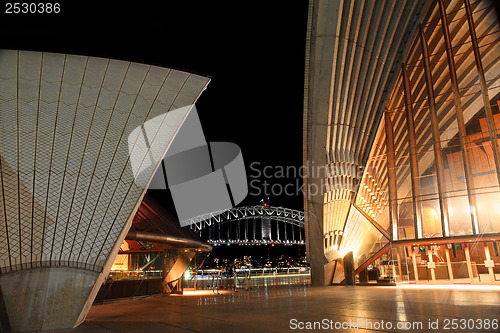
<point x="32" y="8"/>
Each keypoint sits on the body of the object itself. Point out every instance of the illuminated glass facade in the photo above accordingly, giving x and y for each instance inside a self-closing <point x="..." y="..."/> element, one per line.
<point x="424" y="203"/>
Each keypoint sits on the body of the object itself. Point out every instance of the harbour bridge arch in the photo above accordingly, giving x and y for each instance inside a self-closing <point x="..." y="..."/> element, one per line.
<point x="251" y="225"/>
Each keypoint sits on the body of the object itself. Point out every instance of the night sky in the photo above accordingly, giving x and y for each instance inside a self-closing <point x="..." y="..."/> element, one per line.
<point x="253" y="52"/>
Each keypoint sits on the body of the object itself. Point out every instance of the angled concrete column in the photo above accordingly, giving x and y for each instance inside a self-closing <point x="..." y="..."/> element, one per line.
<point x="469" y="264"/>
<point x="399" y="265"/>
<point x="448" y="263"/>
<point x="414" y="262"/>
<point x="489" y="263"/>
<point x="431" y="264"/>
<point x="349" y="269"/>
<point x="315" y="248"/>
<point x="363" y="276"/>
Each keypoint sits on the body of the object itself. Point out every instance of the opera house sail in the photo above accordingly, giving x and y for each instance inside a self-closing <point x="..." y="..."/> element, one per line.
<point x="80" y="140"/>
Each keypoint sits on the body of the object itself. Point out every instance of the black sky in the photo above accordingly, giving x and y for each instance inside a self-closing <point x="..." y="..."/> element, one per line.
<point x="253" y="52"/>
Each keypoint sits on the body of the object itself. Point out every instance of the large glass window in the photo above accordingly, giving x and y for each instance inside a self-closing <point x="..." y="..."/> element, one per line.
<point x="466" y="200"/>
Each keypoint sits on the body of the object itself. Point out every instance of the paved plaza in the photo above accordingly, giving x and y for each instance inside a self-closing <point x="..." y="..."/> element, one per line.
<point x="428" y="308"/>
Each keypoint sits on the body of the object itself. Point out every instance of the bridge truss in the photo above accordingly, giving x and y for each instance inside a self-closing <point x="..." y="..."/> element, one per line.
<point x="251" y="225"/>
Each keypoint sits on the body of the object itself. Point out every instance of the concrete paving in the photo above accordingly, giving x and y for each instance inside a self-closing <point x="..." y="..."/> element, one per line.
<point x="298" y="308"/>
